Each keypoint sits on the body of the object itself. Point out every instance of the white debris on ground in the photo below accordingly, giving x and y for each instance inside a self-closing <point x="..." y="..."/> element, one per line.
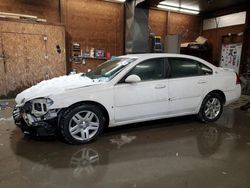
<point x="56" y="85"/>
<point x="124" y="139"/>
<point x="231" y="136"/>
<point x="248" y="143"/>
<point x="6" y="119"/>
<point x="224" y="173"/>
<point x="177" y="154"/>
<point x="3" y="105"/>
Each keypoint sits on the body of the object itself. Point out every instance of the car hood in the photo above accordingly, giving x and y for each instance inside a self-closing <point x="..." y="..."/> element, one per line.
<point x="54" y="86"/>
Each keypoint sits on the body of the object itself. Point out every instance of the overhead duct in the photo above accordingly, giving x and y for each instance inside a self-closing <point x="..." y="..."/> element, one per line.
<point x="137" y="31"/>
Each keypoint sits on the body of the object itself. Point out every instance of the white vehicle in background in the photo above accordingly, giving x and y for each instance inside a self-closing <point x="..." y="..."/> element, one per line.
<point x="128" y="89"/>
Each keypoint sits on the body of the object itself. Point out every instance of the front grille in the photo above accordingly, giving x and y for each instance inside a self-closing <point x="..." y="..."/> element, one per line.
<point x="38" y="107"/>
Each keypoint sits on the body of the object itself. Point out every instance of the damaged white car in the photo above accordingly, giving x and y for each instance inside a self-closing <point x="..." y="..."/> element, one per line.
<point x="127" y="89"/>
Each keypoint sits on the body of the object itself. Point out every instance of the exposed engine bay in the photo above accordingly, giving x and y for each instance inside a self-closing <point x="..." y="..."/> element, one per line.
<point x="35" y="115"/>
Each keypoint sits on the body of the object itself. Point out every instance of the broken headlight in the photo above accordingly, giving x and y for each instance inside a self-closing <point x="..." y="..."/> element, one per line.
<point x="40" y="106"/>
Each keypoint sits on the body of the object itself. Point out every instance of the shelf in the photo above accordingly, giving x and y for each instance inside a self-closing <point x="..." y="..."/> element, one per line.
<point x="98" y="58"/>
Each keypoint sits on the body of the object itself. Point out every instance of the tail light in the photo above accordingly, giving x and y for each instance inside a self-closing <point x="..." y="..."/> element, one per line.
<point x="237" y="79"/>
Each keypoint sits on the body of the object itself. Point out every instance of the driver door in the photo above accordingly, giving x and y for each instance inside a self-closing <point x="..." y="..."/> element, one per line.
<point x="145" y="99"/>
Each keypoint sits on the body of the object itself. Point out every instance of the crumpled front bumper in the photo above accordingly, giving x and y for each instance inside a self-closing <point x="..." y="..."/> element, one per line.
<point x="34" y="126"/>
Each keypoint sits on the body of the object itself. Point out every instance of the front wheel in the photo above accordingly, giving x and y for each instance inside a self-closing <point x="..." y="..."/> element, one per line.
<point x="82" y="124"/>
<point x="211" y="108"/>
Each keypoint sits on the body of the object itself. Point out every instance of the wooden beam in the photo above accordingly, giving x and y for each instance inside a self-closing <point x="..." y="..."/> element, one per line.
<point x="13" y="15"/>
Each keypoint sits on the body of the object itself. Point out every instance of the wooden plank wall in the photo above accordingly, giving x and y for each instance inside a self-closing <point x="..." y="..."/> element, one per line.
<point x="95" y="24"/>
<point x="47" y="9"/>
<point x="99" y="24"/>
<point x="215" y="39"/>
<point x="188" y="26"/>
<point x="215" y="35"/>
<point x="158" y="22"/>
<point x="163" y="23"/>
<point x="30" y="57"/>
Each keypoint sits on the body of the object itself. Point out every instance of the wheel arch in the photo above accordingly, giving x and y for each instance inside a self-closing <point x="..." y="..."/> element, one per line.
<point x="94" y="103"/>
<point x="220" y="93"/>
<point x="216" y="91"/>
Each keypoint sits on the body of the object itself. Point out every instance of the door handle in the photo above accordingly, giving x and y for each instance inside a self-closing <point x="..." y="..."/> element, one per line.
<point x="202" y="81"/>
<point x="171" y="99"/>
<point x="160" y="86"/>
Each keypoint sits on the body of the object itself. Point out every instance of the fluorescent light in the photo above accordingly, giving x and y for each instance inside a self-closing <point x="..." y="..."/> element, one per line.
<point x="196" y="8"/>
<point x="172" y="4"/>
<point x="167" y="6"/>
<point x="181" y="5"/>
<point x="189" y="11"/>
<point x="116" y="1"/>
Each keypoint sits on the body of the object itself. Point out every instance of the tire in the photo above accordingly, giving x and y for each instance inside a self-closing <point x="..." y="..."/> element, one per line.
<point x="82" y="124"/>
<point x="211" y="108"/>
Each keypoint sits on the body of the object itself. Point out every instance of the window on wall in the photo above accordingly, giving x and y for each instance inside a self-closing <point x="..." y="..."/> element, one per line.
<point x="182" y="67"/>
<point x="152" y="69"/>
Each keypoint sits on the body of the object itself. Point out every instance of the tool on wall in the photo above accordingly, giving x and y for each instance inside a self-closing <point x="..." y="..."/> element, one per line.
<point x="3" y="57"/>
<point x="76" y="53"/>
<point x="155" y="43"/>
<point x="45" y="38"/>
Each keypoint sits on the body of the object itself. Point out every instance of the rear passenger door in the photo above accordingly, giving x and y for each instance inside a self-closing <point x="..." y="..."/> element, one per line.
<point x="188" y="81"/>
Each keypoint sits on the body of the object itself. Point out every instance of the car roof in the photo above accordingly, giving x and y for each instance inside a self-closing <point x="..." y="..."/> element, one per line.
<point x="154" y="55"/>
<point x="145" y="56"/>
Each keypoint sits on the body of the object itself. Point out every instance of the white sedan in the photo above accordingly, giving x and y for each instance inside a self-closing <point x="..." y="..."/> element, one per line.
<point x="128" y="89"/>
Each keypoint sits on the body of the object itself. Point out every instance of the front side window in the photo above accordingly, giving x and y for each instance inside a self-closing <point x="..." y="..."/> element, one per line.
<point x="151" y="69"/>
<point x="109" y="69"/>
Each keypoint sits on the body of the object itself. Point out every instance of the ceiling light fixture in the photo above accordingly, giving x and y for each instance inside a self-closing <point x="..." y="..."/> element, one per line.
<point x="168" y="7"/>
<point x="177" y="8"/>
<point x="116" y="1"/>
<point x="189" y="11"/>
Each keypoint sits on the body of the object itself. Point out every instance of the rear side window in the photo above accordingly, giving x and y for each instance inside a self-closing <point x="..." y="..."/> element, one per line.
<point x="205" y="70"/>
<point x="151" y="69"/>
<point x="182" y="67"/>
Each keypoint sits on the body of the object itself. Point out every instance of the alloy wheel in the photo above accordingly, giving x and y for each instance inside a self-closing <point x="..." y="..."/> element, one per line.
<point x="212" y="108"/>
<point x="84" y="125"/>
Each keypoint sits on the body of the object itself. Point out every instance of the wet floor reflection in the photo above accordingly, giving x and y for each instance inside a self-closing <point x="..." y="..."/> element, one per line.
<point x="178" y="152"/>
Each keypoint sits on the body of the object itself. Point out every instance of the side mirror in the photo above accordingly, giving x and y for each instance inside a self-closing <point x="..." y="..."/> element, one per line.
<point x="133" y="79"/>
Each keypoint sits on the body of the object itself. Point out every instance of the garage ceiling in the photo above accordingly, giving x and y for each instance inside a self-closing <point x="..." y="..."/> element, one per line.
<point x="202" y="5"/>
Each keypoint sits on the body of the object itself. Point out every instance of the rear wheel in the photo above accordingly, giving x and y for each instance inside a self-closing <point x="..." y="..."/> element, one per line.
<point x="82" y="124"/>
<point x="211" y="108"/>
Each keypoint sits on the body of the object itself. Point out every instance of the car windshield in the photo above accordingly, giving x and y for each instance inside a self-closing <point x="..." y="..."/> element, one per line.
<point x="109" y="69"/>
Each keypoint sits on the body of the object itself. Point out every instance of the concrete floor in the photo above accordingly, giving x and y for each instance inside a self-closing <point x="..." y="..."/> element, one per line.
<point x="178" y="152"/>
